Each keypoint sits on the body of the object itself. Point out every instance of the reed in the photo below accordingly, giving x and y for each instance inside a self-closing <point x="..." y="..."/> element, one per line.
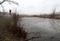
<point x="15" y="30"/>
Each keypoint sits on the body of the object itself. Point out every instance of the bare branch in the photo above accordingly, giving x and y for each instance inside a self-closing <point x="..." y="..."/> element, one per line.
<point x="2" y="8"/>
<point x="32" y="38"/>
<point x="2" y="2"/>
<point x="13" y="2"/>
<point x="8" y="2"/>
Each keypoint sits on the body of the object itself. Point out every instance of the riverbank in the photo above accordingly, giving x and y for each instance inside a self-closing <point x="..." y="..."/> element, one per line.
<point x="4" y="34"/>
<point x="43" y="16"/>
<point x="9" y="29"/>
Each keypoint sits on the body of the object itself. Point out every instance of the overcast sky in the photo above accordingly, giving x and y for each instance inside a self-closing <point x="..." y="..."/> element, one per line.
<point x="33" y="6"/>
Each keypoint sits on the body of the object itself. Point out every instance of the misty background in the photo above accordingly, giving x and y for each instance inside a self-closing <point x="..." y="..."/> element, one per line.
<point x="32" y="7"/>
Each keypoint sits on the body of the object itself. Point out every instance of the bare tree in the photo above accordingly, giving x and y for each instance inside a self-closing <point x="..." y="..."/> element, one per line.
<point x="9" y="1"/>
<point x="53" y="13"/>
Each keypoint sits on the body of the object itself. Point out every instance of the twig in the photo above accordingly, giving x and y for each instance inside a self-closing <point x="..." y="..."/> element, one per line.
<point x="32" y="38"/>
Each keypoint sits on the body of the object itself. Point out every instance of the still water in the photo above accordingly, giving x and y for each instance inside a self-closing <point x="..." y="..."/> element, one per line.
<point x="42" y="27"/>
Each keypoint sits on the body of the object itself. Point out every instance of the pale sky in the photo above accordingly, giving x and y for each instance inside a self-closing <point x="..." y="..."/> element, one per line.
<point x="33" y="6"/>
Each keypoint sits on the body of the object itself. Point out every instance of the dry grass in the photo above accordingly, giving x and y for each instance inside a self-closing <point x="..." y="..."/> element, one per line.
<point x="9" y="31"/>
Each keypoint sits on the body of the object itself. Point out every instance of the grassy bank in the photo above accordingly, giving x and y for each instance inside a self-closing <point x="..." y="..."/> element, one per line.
<point x="9" y="31"/>
<point x="4" y="34"/>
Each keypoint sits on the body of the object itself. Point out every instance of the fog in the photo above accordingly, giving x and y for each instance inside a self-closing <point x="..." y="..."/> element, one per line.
<point x="31" y="7"/>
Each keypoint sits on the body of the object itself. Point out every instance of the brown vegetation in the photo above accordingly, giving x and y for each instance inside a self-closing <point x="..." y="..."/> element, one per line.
<point x="15" y="30"/>
<point x="10" y="31"/>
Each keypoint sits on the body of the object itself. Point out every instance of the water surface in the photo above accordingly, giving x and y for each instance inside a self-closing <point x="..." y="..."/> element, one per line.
<point x="42" y="27"/>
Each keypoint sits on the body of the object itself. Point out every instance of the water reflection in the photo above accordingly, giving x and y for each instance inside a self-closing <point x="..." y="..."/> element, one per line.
<point x="48" y="29"/>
